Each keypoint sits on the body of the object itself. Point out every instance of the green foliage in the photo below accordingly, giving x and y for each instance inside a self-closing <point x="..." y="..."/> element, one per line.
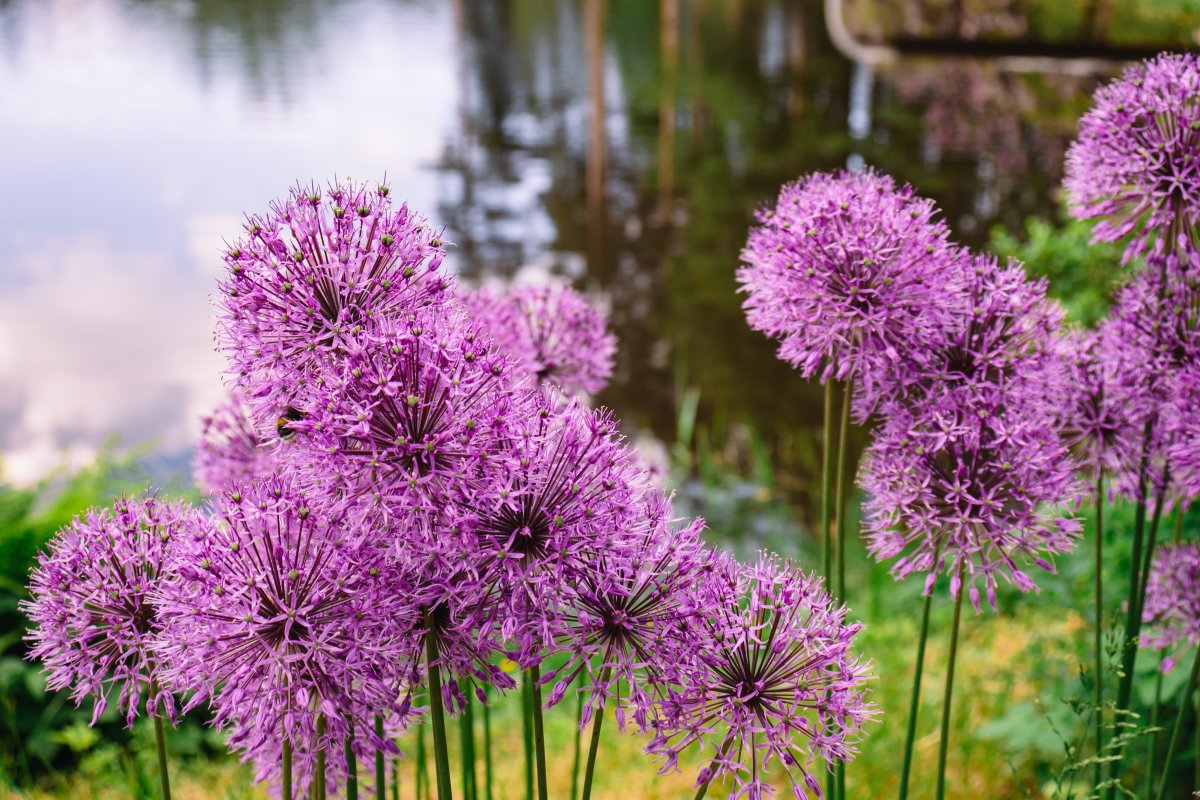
<point x="1082" y="275"/>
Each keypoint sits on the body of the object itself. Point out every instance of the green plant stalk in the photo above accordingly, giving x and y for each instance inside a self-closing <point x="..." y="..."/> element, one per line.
<point x="539" y="731"/>
<point x="527" y="736"/>
<point x="1098" y="643"/>
<point x="827" y="485"/>
<point x="351" y="762"/>
<point x="1176" y="733"/>
<point x="437" y="717"/>
<point x="944" y="744"/>
<point x="915" y="702"/>
<point x="286" y="765"/>
<point x="422" y="776"/>
<point x="712" y="772"/>
<point x="1152" y="738"/>
<point x="467" y="734"/>
<point x="578" y="746"/>
<point x="487" y="747"/>
<point x="840" y="515"/>
<point x="594" y="746"/>
<point x="380" y="766"/>
<point x="320" y="778"/>
<point x="160" y="744"/>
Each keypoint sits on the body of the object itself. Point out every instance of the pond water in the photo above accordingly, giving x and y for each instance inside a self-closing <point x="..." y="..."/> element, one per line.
<point x="623" y="144"/>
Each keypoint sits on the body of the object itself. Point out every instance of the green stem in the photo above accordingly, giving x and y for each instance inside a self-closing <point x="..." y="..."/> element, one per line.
<point x="437" y="717"/>
<point x="286" y="765"/>
<point x="539" y="732"/>
<point x="466" y="732"/>
<point x="1152" y="737"/>
<point x="160" y="744"/>
<point x="380" y="766"/>
<point x="422" y="777"/>
<point x="320" y="777"/>
<point x="827" y="485"/>
<point x="1098" y="643"/>
<point x="840" y="515"/>
<point x="1175" y="734"/>
<point x="944" y="744"/>
<point x="578" y="746"/>
<point x="712" y="770"/>
<point x="487" y="747"/>
<point x="597" y="722"/>
<point x="527" y="736"/>
<point x="351" y="762"/>
<point x="915" y="702"/>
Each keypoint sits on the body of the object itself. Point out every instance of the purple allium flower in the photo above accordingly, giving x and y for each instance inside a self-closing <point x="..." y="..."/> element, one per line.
<point x="309" y="274"/>
<point x="415" y="402"/>
<point x="1173" y="599"/>
<point x="561" y="490"/>
<point x="278" y="613"/>
<point x="853" y="275"/>
<point x="90" y="603"/>
<point x="553" y="331"/>
<point x="629" y="626"/>
<point x="230" y="451"/>
<point x="1183" y="429"/>
<point x="774" y="682"/>
<point x="1134" y="163"/>
<point x="1099" y="421"/>
<point x="974" y="471"/>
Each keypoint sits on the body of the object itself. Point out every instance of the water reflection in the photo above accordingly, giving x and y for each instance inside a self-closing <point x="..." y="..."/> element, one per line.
<point x="622" y="143"/>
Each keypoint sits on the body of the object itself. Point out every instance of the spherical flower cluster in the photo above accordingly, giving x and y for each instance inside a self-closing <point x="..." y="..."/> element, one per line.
<point x="971" y="475"/>
<point x="91" y="604"/>
<point x="1172" y="607"/>
<point x="1134" y="165"/>
<point x="774" y="682"/>
<point x="307" y="276"/>
<point x="1100" y="421"/>
<point x="230" y="450"/>
<point x="556" y="335"/>
<point x="1183" y="429"/>
<point x="853" y="275"/>
<point x="279" y="616"/>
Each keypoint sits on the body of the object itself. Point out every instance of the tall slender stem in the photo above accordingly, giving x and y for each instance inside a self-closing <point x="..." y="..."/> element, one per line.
<point x="466" y="732"/>
<point x="944" y="744"/>
<point x="487" y="747"/>
<point x="539" y="732"/>
<point x="1185" y="699"/>
<point x="286" y="765"/>
<point x="1152" y="738"/>
<point x="712" y="771"/>
<point x="319" y="781"/>
<point x="594" y="746"/>
<point x="351" y="762"/>
<point x="840" y="515"/>
<point x="827" y="485"/>
<point x="437" y="717"/>
<point x="380" y="765"/>
<point x="1098" y="643"/>
<point x="578" y="745"/>
<point x="160" y="744"/>
<point x="422" y="776"/>
<point x="915" y="702"/>
<point x="527" y="735"/>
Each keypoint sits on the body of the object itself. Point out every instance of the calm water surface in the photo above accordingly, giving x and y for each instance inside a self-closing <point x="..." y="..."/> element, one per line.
<point x="624" y="145"/>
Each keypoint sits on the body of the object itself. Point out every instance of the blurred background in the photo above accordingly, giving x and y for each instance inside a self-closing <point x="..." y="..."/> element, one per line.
<point x="623" y="144"/>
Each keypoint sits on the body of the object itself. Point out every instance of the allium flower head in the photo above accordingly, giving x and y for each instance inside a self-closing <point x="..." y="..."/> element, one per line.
<point x="91" y="604"/>
<point x="1134" y="164"/>
<point x="775" y="684"/>
<point x="1099" y="421"/>
<point x="560" y="492"/>
<point x="629" y="626"/>
<point x="852" y="274"/>
<point x="557" y="336"/>
<point x="230" y="450"/>
<point x="311" y="272"/>
<point x="278" y="612"/>
<point x="1183" y="429"/>
<point x="1172" y="606"/>
<point x="971" y="474"/>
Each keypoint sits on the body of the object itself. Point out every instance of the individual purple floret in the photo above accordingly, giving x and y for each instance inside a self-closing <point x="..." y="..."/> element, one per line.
<point x="973" y="471"/>
<point x="557" y="336"/>
<point x="307" y="275"/>
<point x="774" y="684"/>
<point x="629" y="628"/>
<point x="1134" y="165"/>
<point x="1172" y="607"/>
<point x="561" y="489"/>
<point x="230" y="450"/>
<point x="278" y="614"/>
<point x="91" y="608"/>
<point x="853" y="275"/>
